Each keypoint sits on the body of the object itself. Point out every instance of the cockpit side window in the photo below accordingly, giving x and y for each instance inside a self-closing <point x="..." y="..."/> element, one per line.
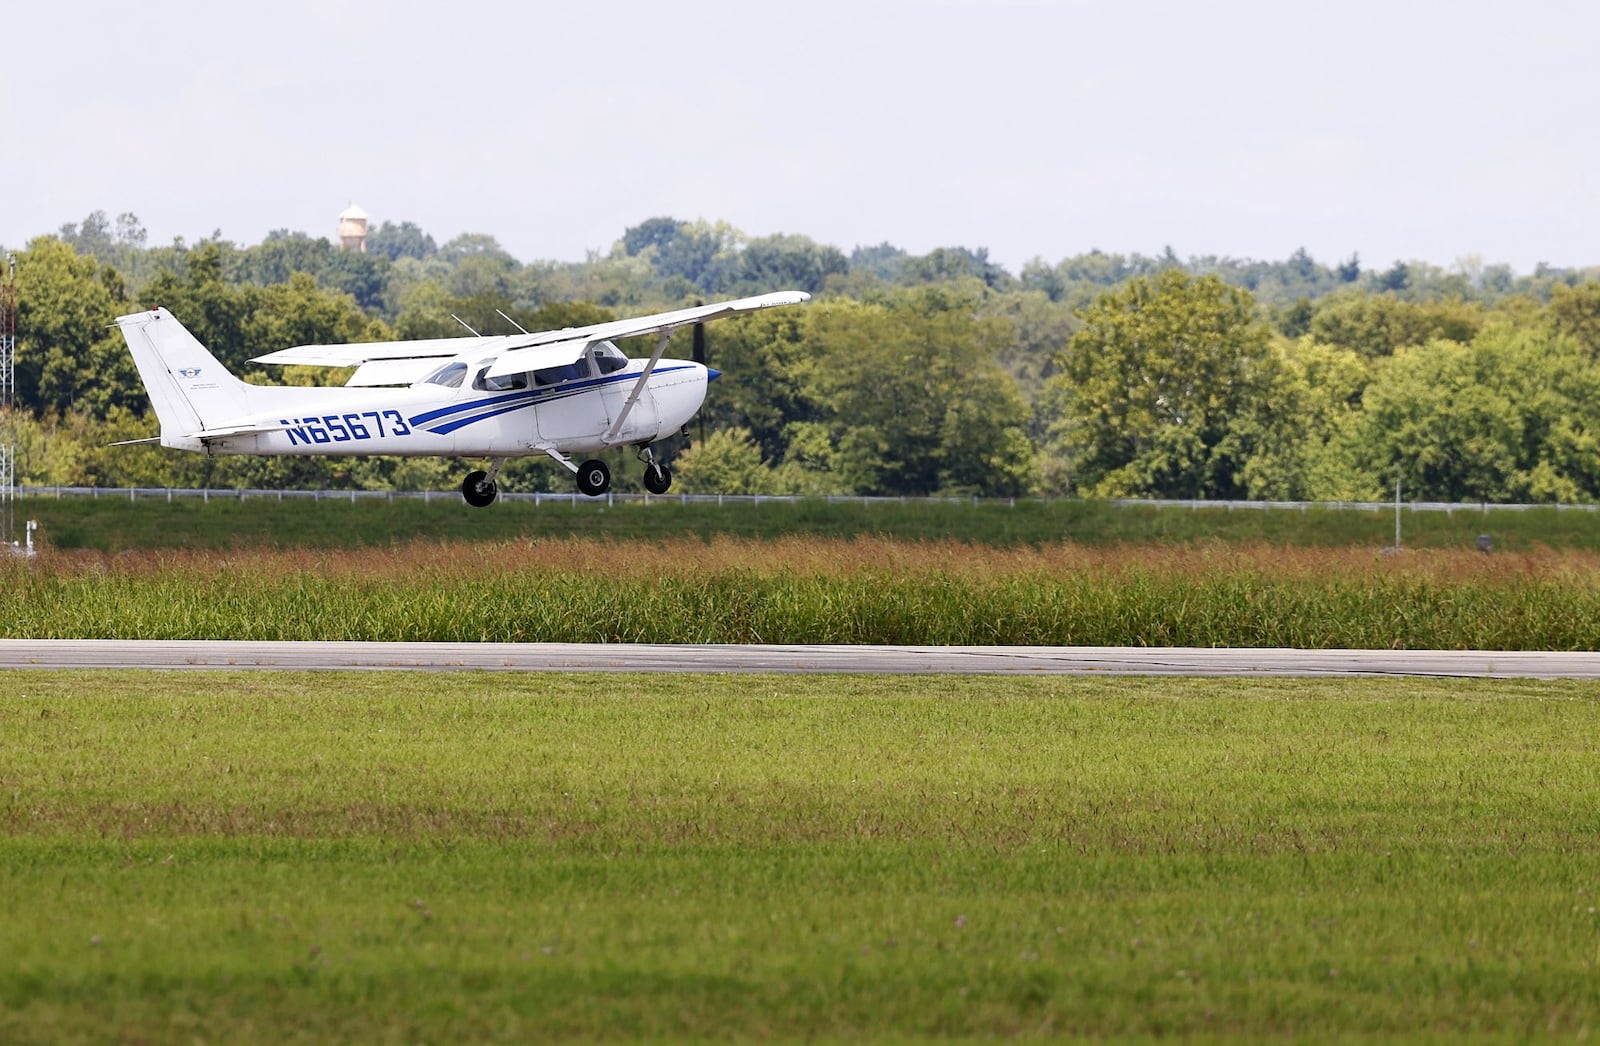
<point x="556" y="375"/>
<point x="450" y="375"/>
<point x="608" y="359"/>
<point x="503" y="383"/>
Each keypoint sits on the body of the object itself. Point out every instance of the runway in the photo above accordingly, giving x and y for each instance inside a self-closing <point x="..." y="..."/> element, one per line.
<point x="877" y="660"/>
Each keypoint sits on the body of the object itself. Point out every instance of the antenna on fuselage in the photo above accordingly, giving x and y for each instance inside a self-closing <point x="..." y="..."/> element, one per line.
<point x="465" y="324"/>
<point x="513" y="322"/>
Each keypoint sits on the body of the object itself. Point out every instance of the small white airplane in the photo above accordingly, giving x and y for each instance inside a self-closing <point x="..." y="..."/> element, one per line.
<point x="562" y="393"/>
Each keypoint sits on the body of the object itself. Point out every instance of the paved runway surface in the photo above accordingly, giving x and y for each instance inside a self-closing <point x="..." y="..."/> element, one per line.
<point x="583" y="657"/>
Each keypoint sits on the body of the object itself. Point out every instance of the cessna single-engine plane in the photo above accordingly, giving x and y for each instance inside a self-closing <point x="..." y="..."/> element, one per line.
<point x="564" y="393"/>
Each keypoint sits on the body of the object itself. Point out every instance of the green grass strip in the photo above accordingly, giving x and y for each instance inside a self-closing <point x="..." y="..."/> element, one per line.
<point x="112" y="524"/>
<point x="482" y="857"/>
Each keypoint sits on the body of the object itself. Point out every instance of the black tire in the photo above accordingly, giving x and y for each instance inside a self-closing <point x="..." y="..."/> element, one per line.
<point x="594" y="478"/>
<point x="478" y="493"/>
<point x="657" y="478"/>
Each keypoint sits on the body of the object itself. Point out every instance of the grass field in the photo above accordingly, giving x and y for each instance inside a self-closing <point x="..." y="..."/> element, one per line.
<point x="261" y="857"/>
<point x="110" y="524"/>
<point x="816" y="590"/>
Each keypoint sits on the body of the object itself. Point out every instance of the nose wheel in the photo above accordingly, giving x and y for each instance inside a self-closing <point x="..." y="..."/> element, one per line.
<point x="657" y="477"/>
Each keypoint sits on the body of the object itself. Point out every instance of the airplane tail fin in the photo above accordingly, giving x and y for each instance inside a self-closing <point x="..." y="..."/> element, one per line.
<point x="189" y="388"/>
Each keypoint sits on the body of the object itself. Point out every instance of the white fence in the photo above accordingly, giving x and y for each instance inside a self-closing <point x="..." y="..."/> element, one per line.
<point x="574" y="498"/>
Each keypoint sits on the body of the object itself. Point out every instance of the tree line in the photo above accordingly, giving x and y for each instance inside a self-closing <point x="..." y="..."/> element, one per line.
<point x="944" y="373"/>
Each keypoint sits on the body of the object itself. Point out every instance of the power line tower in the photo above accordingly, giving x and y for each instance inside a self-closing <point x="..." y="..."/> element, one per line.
<point x="8" y="405"/>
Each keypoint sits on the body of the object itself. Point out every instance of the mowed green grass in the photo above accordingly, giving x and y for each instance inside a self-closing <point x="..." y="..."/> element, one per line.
<point x="467" y="857"/>
<point x="111" y="524"/>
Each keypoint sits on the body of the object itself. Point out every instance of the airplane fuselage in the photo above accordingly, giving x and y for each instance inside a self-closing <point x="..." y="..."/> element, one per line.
<point x="570" y="417"/>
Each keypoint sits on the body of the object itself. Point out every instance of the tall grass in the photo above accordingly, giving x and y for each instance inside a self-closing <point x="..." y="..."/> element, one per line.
<point x="799" y="590"/>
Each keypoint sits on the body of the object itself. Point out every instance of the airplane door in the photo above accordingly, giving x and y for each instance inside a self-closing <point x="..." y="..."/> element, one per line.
<point x="643" y="421"/>
<point x="570" y="406"/>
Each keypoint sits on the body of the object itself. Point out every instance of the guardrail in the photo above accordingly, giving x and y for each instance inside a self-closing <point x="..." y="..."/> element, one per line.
<point x="574" y="498"/>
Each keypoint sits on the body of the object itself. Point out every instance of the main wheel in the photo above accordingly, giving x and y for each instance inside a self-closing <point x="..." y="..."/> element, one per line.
<point x="594" y="478"/>
<point x="657" y="478"/>
<point x="477" y="490"/>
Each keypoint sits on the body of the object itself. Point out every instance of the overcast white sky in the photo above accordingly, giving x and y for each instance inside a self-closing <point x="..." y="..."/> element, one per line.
<point x="1401" y="129"/>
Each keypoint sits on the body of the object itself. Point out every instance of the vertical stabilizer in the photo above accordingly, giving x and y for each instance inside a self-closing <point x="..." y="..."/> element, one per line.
<point x="189" y="388"/>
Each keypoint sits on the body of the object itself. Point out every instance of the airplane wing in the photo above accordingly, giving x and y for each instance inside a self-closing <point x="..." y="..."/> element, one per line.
<point x="355" y="354"/>
<point x="665" y="321"/>
<point x="403" y="362"/>
<point x="555" y="348"/>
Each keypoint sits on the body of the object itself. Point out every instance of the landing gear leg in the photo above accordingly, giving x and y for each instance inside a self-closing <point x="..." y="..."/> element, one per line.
<point x="479" y="487"/>
<point x="657" y="477"/>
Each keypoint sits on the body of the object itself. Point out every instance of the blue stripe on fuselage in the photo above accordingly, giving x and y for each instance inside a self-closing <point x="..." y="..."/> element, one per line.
<point x="497" y="405"/>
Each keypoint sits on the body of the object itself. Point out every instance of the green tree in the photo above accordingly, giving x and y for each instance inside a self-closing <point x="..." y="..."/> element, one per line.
<point x="914" y="401"/>
<point x="766" y="359"/>
<point x="1512" y="416"/>
<point x="1378" y="324"/>
<point x="298" y="312"/>
<point x="405" y="240"/>
<point x="726" y="462"/>
<point x="885" y="261"/>
<point x="1039" y="329"/>
<point x="773" y="263"/>
<point x="944" y="264"/>
<point x="1301" y="429"/>
<point x="67" y="357"/>
<point x="213" y="309"/>
<point x="1148" y="391"/>
<point x="1575" y="313"/>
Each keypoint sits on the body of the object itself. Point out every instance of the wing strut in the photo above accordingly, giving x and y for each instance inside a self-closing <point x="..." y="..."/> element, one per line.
<point x="638" y="387"/>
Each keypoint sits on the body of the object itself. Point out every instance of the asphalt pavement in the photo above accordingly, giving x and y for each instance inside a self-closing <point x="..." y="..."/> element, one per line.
<point x="877" y="660"/>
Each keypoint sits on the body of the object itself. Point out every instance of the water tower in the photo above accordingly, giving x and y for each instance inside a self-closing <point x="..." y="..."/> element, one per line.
<point x="353" y="229"/>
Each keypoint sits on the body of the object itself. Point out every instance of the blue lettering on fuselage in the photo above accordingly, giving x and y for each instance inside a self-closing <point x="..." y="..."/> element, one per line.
<point x="344" y="428"/>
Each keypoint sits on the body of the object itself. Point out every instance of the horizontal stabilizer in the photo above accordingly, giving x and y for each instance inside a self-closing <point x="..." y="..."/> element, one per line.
<point x="155" y="440"/>
<point x="248" y="428"/>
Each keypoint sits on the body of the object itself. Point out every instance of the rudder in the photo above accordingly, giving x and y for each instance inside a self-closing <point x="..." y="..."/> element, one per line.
<point x="189" y="388"/>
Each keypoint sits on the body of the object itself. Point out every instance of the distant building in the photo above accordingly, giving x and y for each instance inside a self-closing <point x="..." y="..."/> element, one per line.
<point x="353" y="229"/>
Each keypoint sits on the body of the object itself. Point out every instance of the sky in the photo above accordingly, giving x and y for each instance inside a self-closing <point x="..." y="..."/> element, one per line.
<point x="1397" y="130"/>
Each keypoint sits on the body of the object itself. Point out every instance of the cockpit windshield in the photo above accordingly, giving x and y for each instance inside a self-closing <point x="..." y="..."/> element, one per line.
<point x="450" y="375"/>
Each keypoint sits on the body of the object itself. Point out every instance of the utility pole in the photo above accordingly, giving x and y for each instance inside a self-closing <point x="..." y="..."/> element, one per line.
<point x="1397" y="513"/>
<point x="8" y="404"/>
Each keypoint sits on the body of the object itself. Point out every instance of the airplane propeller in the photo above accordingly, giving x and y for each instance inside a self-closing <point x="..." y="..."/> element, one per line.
<point x="700" y="358"/>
